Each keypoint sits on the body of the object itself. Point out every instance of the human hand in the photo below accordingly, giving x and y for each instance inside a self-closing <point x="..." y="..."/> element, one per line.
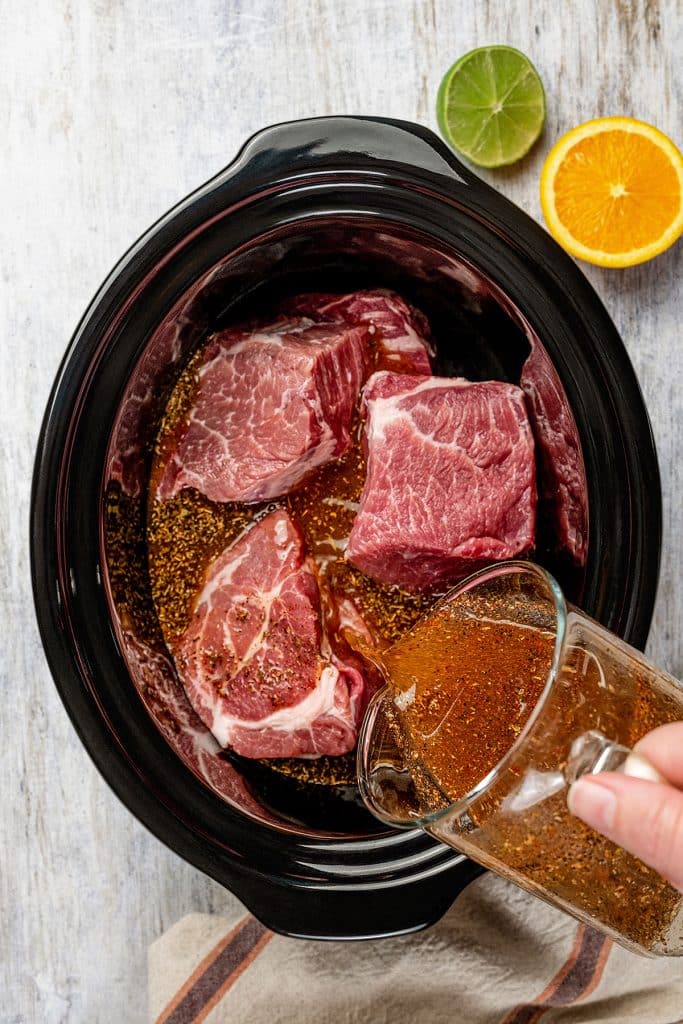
<point x="644" y="817"/>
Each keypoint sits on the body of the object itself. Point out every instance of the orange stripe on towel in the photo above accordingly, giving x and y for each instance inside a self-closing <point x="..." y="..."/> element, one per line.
<point x="198" y="971"/>
<point x="217" y="972"/>
<point x="599" y="969"/>
<point x="232" y="978"/>
<point x="576" y="979"/>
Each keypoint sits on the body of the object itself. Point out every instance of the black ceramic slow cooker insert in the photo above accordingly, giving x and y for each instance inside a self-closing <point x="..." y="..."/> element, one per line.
<point x="327" y="204"/>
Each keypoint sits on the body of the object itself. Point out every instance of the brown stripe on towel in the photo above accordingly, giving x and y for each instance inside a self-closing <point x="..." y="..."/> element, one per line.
<point x="199" y="970"/>
<point x="575" y="980"/>
<point x="217" y="972"/>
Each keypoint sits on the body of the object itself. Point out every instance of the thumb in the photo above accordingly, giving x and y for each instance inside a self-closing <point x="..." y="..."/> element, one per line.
<point x="646" y="818"/>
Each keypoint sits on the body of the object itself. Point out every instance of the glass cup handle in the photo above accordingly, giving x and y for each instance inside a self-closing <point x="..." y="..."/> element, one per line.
<point x="592" y="753"/>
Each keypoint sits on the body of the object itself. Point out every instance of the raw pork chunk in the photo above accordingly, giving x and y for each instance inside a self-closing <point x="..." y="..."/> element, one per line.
<point x="563" y="478"/>
<point x="271" y="406"/>
<point x="450" y="479"/>
<point x="253" y="660"/>
<point x="402" y="332"/>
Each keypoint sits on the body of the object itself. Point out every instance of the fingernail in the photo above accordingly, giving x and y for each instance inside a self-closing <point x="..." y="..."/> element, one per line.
<point x="638" y="767"/>
<point x="593" y="803"/>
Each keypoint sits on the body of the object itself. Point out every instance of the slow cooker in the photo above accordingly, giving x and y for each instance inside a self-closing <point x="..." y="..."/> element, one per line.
<point x="326" y="204"/>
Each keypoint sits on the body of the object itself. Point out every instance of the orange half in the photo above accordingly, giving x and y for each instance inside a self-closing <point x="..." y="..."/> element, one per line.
<point x="612" y="192"/>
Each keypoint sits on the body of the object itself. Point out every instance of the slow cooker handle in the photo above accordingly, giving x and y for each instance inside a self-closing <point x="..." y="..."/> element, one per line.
<point x="378" y="145"/>
<point x="344" y="912"/>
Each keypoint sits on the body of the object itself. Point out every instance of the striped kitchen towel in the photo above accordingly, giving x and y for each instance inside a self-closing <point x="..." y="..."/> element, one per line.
<point x="499" y="956"/>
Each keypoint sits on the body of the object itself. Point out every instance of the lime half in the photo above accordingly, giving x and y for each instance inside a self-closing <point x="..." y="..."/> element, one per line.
<point x="491" y="105"/>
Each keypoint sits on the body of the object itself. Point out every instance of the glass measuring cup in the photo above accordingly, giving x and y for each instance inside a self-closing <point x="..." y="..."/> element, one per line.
<point x="596" y="697"/>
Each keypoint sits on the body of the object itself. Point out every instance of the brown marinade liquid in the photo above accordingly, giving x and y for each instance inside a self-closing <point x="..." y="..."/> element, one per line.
<point x="473" y="683"/>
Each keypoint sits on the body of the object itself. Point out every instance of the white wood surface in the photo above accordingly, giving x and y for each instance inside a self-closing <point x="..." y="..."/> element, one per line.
<point x="111" y="111"/>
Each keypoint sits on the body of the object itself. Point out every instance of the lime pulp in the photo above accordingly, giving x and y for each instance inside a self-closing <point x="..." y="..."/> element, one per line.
<point x="491" y="106"/>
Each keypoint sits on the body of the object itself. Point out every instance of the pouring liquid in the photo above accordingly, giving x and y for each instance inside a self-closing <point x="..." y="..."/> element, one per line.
<point x="479" y="673"/>
<point x="465" y="681"/>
